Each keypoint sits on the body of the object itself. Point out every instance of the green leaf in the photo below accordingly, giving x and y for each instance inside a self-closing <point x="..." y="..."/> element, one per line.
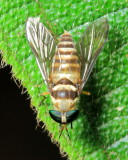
<point x="101" y="131"/>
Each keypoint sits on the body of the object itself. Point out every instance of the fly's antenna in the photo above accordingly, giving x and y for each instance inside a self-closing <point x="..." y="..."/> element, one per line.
<point x="68" y="132"/>
<point x="60" y="134"/>
<point x="61" y="130"/>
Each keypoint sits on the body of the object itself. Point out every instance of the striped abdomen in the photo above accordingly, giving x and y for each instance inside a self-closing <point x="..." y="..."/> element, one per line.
<point x="65" y="74"/>
<point x="65" y="62"/>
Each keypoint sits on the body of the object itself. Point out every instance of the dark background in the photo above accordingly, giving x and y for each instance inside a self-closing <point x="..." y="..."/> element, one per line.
<point x="19" y="138"/>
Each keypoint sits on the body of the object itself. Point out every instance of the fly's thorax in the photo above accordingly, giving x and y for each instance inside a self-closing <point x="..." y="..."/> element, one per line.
<point x="64" y="97"/>
<point x="65" y="62"/>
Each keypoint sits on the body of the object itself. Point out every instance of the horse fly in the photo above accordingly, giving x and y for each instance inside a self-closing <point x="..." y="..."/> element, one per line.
<point x="65" y="66"/>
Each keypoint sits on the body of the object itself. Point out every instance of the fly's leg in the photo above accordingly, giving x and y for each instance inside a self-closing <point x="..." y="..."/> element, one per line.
<point x="50" y="90"/>
<point x="45" y="93"/>
<point x="86" y="93"/>
<point x="78" y="86"/>
<point x="82" y="92"/>
<point x="43" y="99"/>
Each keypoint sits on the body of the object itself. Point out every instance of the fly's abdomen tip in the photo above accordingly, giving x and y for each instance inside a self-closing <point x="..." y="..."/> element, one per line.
<point x="66" y="33"/>
<point x="66" y="37"/>
<point x="66" y="41"/>
<point x="65" y="45"/>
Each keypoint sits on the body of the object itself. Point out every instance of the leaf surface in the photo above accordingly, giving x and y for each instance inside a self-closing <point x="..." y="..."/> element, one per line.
<point x="101" y="131"/>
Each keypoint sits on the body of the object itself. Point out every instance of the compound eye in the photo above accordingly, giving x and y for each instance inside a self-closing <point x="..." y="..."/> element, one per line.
<point x="55" y="115"/>
<point x="71" y="115"/>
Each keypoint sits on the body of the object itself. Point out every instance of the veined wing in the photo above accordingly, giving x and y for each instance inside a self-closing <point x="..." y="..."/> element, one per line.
<point x="42" y="44"/>
<point x="90" y="45"/>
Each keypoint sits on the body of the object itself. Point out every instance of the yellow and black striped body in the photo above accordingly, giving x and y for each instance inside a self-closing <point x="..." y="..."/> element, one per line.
<point x="65" y="75"/>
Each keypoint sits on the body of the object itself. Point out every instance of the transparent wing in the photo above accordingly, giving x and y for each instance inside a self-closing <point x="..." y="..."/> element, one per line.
<point x="42" y="44"/>
<point x="90" y="45"/>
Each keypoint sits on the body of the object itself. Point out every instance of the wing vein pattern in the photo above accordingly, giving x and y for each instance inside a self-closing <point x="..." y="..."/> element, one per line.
<point x="89" y="46"/>
<point x="42" y="44"/>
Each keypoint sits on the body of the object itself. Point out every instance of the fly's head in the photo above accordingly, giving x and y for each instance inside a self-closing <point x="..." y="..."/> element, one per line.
<point x="64" y="118"/>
